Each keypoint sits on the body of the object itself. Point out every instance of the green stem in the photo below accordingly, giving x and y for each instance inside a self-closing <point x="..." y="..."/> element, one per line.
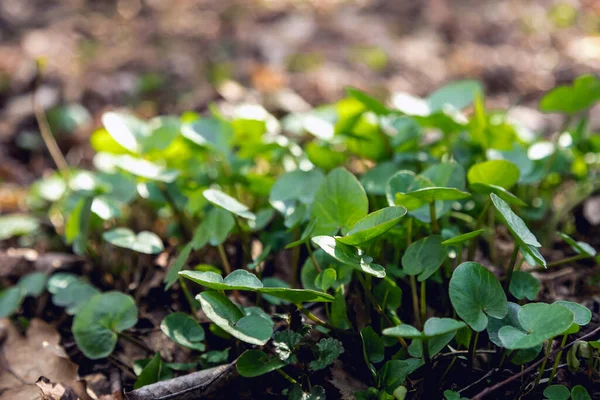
<point x="415" y="300"/>
<point x="567" y="260"/>
<point x="511" y="268"/>
<point x="435" y="228"/>
<point x="473" y="349"/>
<point x="423" y="302"/>
<point x="557" y="359"/>
<point x="224" y="260"/>
<point x="312" y="258"/>
<point x="318" y="320"/>
<point x="543" y="366"/>
<point x="188" y="295"/>
<point x="287" y="377"/>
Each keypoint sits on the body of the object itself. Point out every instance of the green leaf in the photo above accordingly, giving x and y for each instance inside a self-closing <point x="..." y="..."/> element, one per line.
<point x="524" y="285"/>
<point x="373" y="225"/>
<point x="33" y="284"/>
<point x="144" y="242"/>
<point x="375" y="180"/>
<point x="274" y="282"/>
<point x="295" y="187"/>
<point x="498" y="191"/>
<point x="580" y="393"/>
<point x="183" y="330"/>
<point x="570" y="99"/>
<point x="369" y="102"/>
<point x="433" y="327"/>
<point x="501" y="173"/>
<point x="582" y="314"/>
<point x="350" y="255"/>
<point x="156" y="370"/>
<point x="17" y="225"/>
<point x="511" y="319"/>
<point x="557" y="392"/>
<point x="227" y="316"/>
<point x="309" y="273"/>
<point x="177" y="266"/>
<point x="96" y="325"/>
<point x="394" y="373"/>
<point x="68" y="118"/>
<point x="297" y="296"/>
<point x="326" y="279"/>
<point x="227" y="202"/>
<point x="373" y="349"/>
<point x="210" y="132"/>
<point x="435" y="344"/>
<point x="339" y="203"/>
<point x="284" y="343"/>
<point x="540" y="322"/>
<point x="329" y="349"/>
<point x="78" y="224"/>
<point x="457" y="94"/>
<point x="424" y="257"/>
<point x="460" y="239"/>
<point x="143" y="168"/>
<point x="70" y="292"/>
<point x="475" y="293"/>
<point x="418" y="198"/>
<point x="515" y="225"/>
<point x="253" y="363"/>
<point x="237" y="280"/>
<point x="297" y="393"/>
<point x="10" y="301"/>
<point x="532" y="255"/>
<point x="578" y="247"/>
<point x="128" y="131"/>
<point x="214" y="228"/>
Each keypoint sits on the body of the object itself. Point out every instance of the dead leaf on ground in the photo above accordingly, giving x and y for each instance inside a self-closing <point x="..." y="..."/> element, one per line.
<point x="57" y="391"/>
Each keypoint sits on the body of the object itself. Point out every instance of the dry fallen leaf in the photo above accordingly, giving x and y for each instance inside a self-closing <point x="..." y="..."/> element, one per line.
<point x="56" y="391"/>
<point x="24" y="359"/>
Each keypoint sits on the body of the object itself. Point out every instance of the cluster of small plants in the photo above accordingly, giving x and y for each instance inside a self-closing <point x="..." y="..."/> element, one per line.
<point x="353" y="231"/>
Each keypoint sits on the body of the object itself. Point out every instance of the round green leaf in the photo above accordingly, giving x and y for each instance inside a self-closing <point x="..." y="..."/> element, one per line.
<point x="33" y="284"/>
<point x="325" y="279"/>
<point x="70" y="292"/>
<point x="524" y="285"/>
<point x="570" y="99"/>
<point x="373" y="225"/>
<point x="582" y="314"/>
<point x="475" y="293"/>
<point x="350" y="255"/>
<point x="501" y="173"/>
<point x="517" y="227"/>
<point x="580" y="393"/>
<point x="227" y="316"/>
<point x="424" y="257"/>
<point x="227" y="202"/>
<point x="97" y="324"/>
<point x="539" y="322"/>
<point x="144" y="242"/>
<point x="463" y="238"/>
<point x="254" y="363"/>
<point x="339" y="203"/>
<point x="183" y="330"/>
<point x="457" y="94"/>
<point x="557" y="392"/>
<point x="10" y="300"/>
<point x="495" y="324"/>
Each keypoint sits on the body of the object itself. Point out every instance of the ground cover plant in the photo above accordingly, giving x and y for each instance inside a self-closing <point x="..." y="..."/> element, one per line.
<point x="401" y="247"/>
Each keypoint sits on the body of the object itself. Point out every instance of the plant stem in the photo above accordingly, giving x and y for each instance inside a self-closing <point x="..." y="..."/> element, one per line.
<point x="511" y="268"/>
<point x="423" y="301"/>
<point x="473" y="349"/>
<point x="224" y="260"/>
<point x="557" y="359"/>
<point x="134" y="341"/>
<point x="312" y="258"/>
<point x="188" y="295"/>
<point x="435" y="228"/>
<point x="415" y="300"/>
<point x="546" y="356"/>
<point x="287" y="377"/>
<point x="318" y="320"/>
<point x="567" y="260"/>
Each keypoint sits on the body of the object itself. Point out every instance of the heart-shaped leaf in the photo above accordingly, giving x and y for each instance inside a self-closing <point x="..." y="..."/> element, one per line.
<point x="475" y="293"/>
<point x="539" y="322"/>
<point x="183" y="330"/>
<point x="582" y="314"/>
<point x="254" y="363"/>
<point x="557" y="392"/>
<point x="501" y="173"/>
<point x="350" y="255"/>
<point x="460" y="239"/>
<point x="227" y="202"/>
<point x="70" y="291"/>
<point x="570" y="99"/>
<point x="579" y="247"/>
<point x="227" y="316"/>
<point x="96" y="325"/>
<point x="433" y="327"/>
<point x="144" y="242"/>
<point x="580" y="393"/>
<point x="214" y="228"/>
<point x="524" y="285"/>
<point x="510" y="319"/>
<point x="424" y="257"/>
<point x="373" y="225"/>
<point x="339" y="203"/>
<point x="515" y="225"/>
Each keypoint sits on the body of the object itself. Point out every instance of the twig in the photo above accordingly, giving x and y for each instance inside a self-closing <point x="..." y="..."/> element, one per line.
<point x="479" y="380"/>
<point x="532" y="367"/>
